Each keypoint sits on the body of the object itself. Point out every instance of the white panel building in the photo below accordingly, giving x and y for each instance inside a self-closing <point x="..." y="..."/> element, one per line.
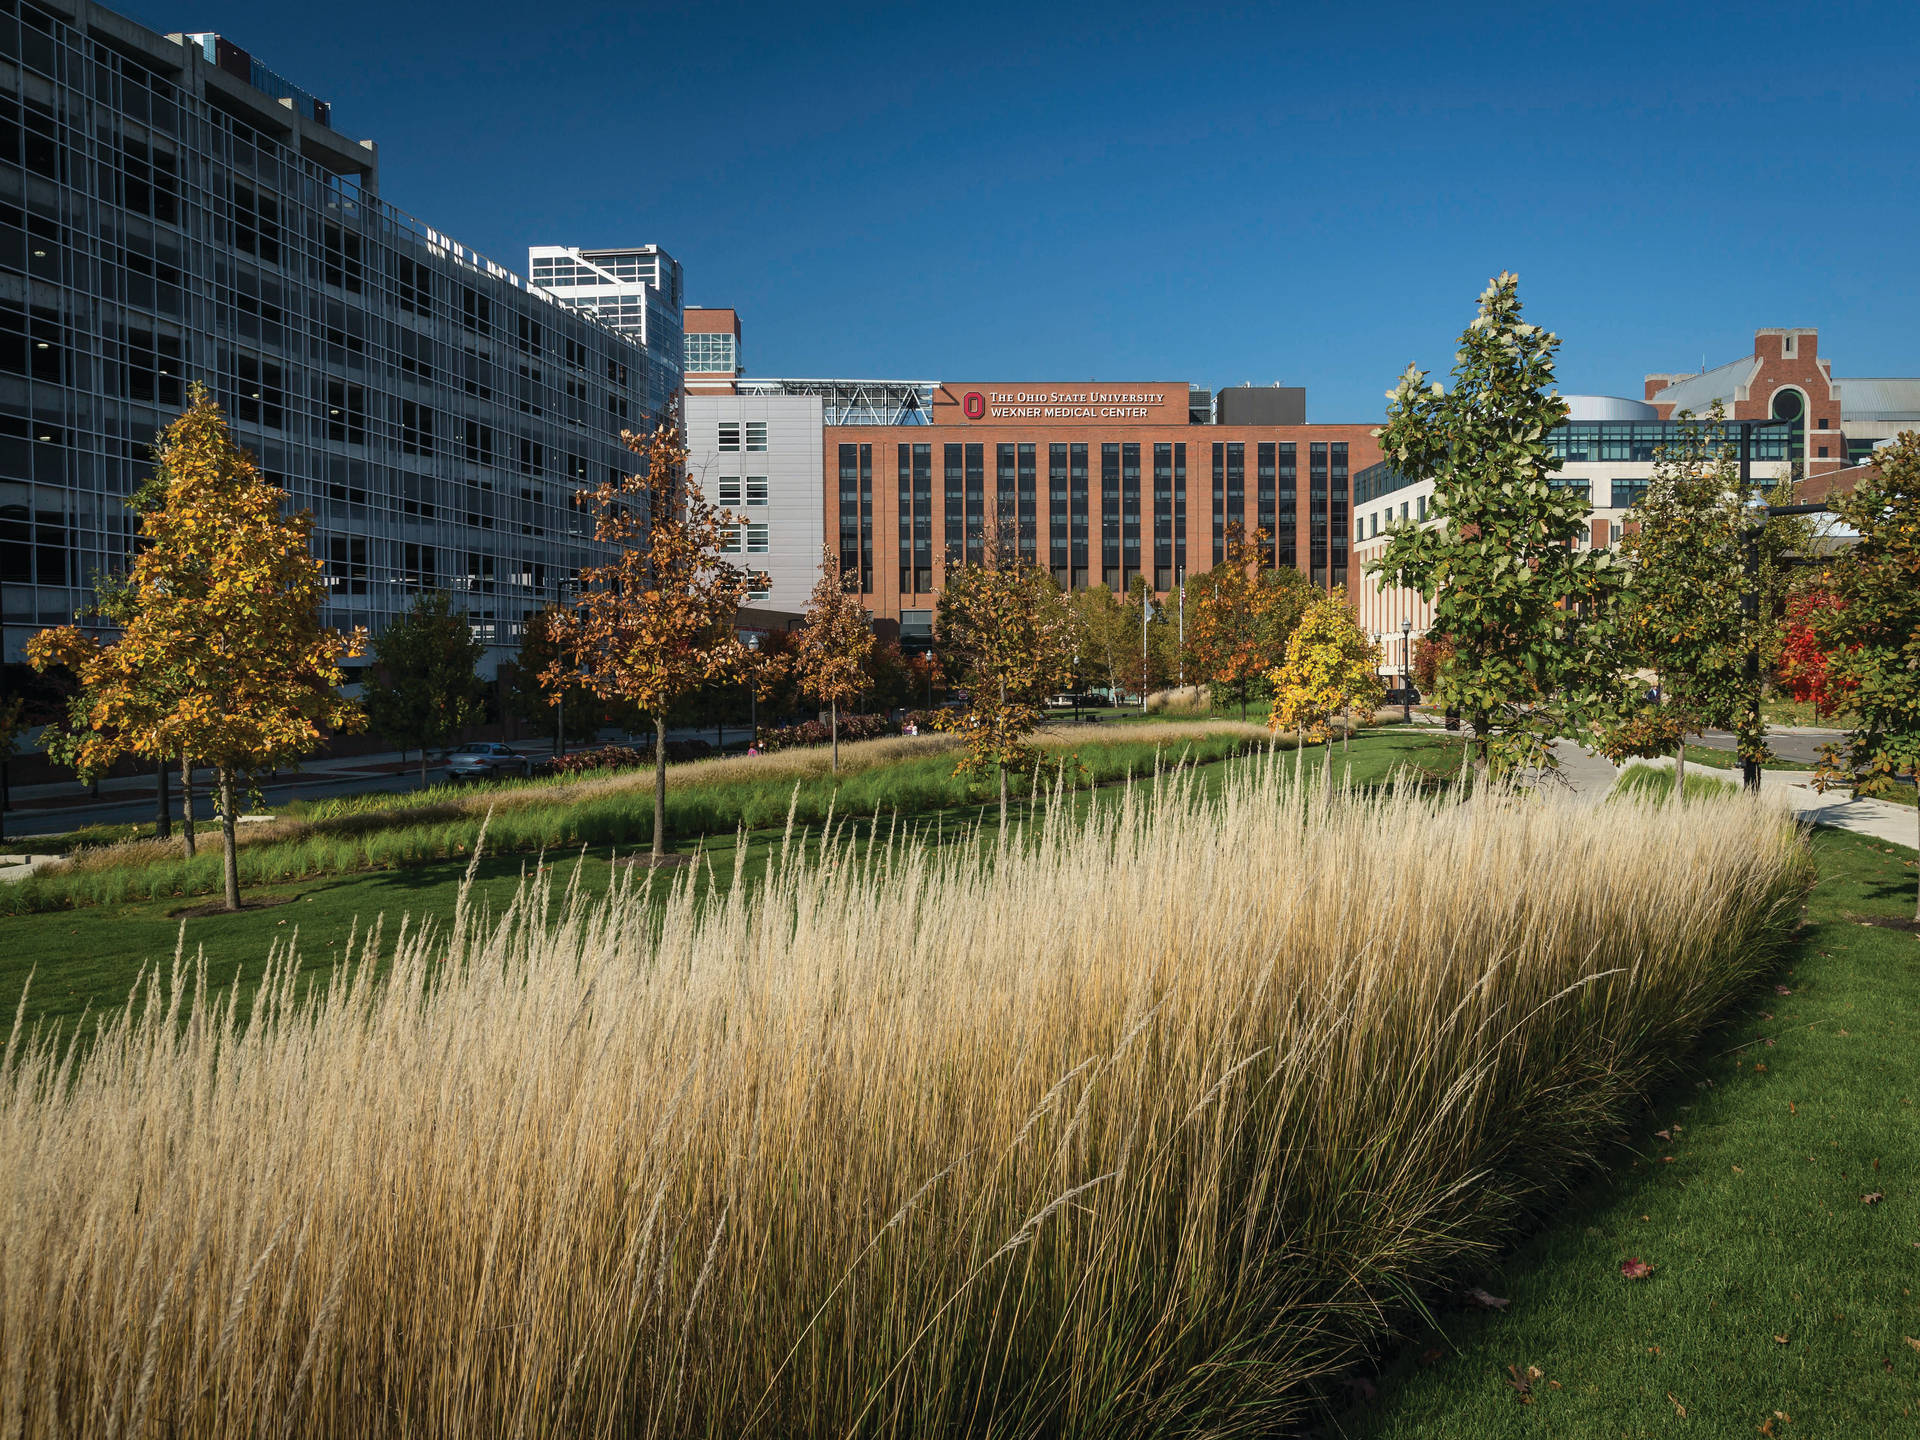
<point x="759" y="456"/>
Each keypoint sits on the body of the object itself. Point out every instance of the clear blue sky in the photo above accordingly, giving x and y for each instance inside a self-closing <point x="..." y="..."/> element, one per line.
<point x="1311" y="194"/>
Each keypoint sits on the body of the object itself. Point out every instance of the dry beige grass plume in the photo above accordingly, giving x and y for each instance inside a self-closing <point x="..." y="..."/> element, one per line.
<point x="1135" y="1125"/>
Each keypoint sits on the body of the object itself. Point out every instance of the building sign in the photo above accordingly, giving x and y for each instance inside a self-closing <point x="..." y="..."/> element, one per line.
<point x="1025" y="403"/>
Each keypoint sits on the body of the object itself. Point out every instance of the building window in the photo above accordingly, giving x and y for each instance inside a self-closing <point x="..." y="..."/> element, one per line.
<point x="710" y="355"/>
<point x="756" y="490"/>
<point x="756" y="435"/>
<point x="347" y="564"/>
<point x="1625" y="494"/>
<point x="346" y="412"/>
<point x="262" y="396"/>
<point x="729" y="492"/>
<point x="416" y="428"/>
<point x="729" y="435"/>
<point x="1823" y="452"/>
<point x="756" y="539"/>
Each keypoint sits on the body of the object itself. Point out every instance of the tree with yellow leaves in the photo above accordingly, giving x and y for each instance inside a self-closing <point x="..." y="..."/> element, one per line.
<point x="834" y="646"/>
<point x="656" y="622"/>
<point x="1332" y="665"/>
<point x="221" y="657"/>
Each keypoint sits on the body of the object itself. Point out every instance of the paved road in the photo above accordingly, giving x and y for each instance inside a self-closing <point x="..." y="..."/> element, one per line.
<point x="1799" y="744"/>
<point x="130" y="802"/>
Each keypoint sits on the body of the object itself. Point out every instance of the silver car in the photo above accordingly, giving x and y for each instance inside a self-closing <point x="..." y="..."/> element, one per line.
<point x="486" y="760"/>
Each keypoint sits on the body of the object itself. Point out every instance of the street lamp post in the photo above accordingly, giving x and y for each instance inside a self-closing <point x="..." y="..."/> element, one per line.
<point x="560" y="589"/>
<point x="1758" y="513"/>
<point x="1406" y="671"/>
<point x="753" y="694"/>
<point x="1146" y="614"/>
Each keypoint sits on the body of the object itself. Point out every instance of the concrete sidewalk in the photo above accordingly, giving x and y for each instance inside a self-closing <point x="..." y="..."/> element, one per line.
<point x="1838" y="807"/>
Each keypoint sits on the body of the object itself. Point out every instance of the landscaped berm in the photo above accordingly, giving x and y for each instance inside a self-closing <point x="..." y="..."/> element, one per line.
<point x="1144" y="1124"/>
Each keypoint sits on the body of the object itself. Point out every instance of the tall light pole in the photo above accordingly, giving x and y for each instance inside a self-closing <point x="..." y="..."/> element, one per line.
<point x="1758" y="513"/>
<point x="1146" y="614"/>
<point x="1406" y="670"/>
<point x="561" y="589"/>
<point x="1180" y="584"/>
<point x="753" y="692"/>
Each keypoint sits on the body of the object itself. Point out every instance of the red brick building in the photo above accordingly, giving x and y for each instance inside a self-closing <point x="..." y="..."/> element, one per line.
<point x="1096" y="482"/>
<point x="1837" y="421"/>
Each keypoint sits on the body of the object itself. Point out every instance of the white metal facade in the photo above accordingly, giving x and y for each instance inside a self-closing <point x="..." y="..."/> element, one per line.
<point x="734" y="441"/>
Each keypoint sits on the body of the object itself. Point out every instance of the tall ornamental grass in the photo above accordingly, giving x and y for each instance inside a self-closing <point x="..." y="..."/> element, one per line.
<point x="1148" y="1124"/>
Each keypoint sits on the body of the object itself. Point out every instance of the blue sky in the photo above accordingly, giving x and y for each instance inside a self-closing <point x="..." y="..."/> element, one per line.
<point x="1304" y="194"/>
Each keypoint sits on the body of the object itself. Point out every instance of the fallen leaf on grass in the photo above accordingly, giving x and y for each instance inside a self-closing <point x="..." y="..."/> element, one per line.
<point x="1433" y="1356"/>
<point x="1779" y="1339"/>
<point x="1663" y="1134"/>
<point x="1761" y="1066"/>
<point x="1872" y="1197"/>
<point x="1679" y="1409"/>
<point x="1480" y="1298"/>
<point x="1781" y="990"/>
<point x="1738" y="1171"/>
<point x="1522" y="1385"/>
<point x="1911" y="1341"/>
<point x="1634" y="1268"/>
<point x="1886" y="1363"/>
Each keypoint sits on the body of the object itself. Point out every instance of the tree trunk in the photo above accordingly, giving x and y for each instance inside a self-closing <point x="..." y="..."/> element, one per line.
<point x="162" y="803"/>
<point x="1299" y="744"/>
<point x="1680" y="769"/>
<point x="659" y="785"/>
<point x="833" y="711"/>
<point x="1479" y="749"/>
<point x="229" y="839"/>
<point x="186" y="803"/>
<point x="1326" y="769"/>
<point x="1346" y="735"/>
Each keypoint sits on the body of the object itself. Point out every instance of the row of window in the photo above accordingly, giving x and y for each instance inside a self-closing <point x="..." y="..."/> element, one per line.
<point x="733" y="436"/>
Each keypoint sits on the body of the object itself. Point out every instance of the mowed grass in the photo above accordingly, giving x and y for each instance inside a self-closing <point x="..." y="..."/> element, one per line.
<point x="1777" y="1288"/>
<point x="87" y="958"/>
<point x="384" y="830"/>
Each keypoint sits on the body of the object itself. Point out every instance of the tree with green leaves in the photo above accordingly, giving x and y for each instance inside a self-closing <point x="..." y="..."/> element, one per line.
<point x="425" y="688"/>
<point x="1678" y="615"/>
<point x="566" y="704"/>
<point x="1871" y="629"/>
<point x="1508" y="581"/>
<point x="1003" y="623"/>
<point x="835" y="646"/>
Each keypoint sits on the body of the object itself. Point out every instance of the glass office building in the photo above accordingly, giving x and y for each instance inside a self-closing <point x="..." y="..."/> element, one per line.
<point x="636" y="291"/>
<point x="172" y="210"/>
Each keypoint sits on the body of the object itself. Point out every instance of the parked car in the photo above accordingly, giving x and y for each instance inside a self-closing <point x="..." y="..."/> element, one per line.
<point x="1402" y="696"/>
<point x="486" y="760"/>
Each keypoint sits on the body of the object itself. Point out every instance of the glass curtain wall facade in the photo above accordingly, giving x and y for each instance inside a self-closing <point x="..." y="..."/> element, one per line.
<point x="432" y="412"/>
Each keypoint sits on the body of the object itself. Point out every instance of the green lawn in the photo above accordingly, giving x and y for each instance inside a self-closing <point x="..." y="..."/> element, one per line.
<point x="90" y="956"/>
<point x="1776" y="1289"/>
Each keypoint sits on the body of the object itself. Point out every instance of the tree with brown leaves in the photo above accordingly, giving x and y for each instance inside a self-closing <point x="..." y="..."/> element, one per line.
<point x="835" y="646"/>
<point x="656" y="622"/>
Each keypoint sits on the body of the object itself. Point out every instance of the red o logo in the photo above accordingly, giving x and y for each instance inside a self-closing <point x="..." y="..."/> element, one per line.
<point x="973" y="405"/>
